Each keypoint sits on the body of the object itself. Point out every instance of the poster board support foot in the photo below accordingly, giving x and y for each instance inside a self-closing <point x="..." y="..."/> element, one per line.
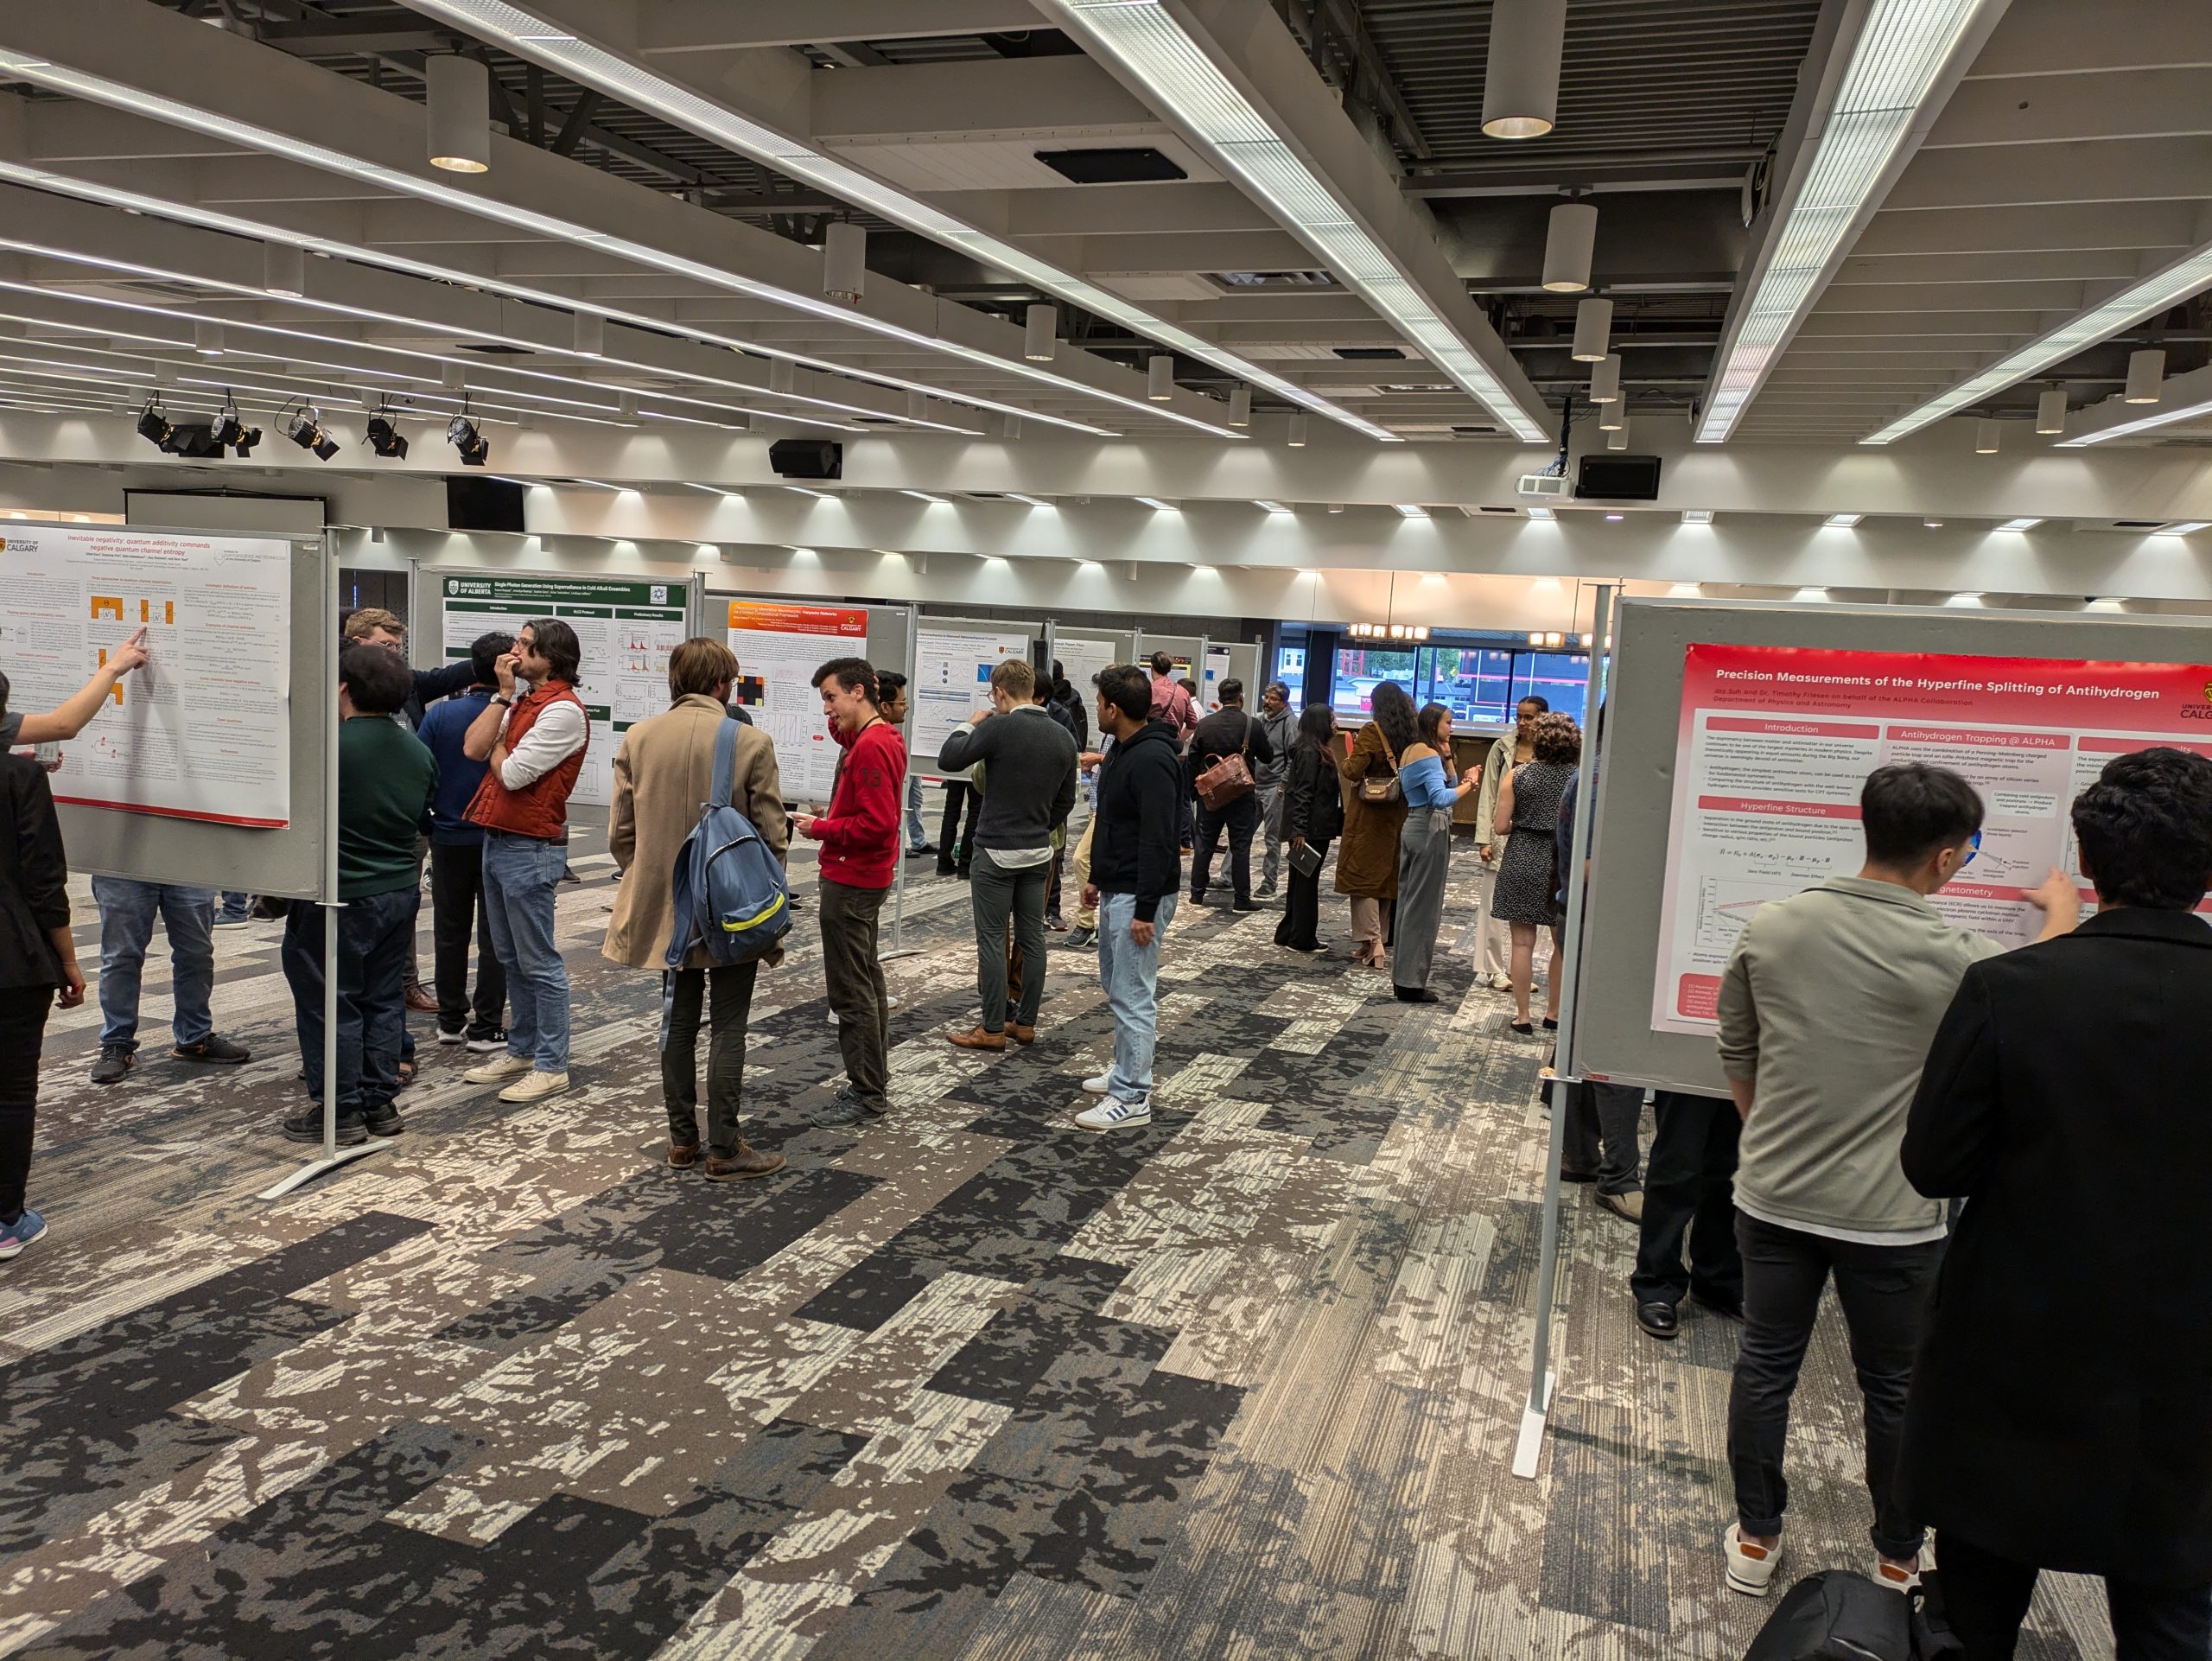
<point x="1533" y="1416"/>
<point x="323" y="1164"/>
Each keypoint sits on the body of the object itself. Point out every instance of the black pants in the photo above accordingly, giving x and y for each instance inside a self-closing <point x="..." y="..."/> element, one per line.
<point x="1884" y="1291"/>
<point x="728" y="994"/>
<point x="1985" y="1597"/>
<point x="853" y="969"/>
<point x="23" y="1010"/>
<point x="1241" y="818"/>
<point x="1602" y="1122"/>
<point x="457" y="906"/>
<point x="1013" y="896"/>
<point x="1301" y="904"/>
<point x="952" y="846"/>
<point x="1688" y="1193"/>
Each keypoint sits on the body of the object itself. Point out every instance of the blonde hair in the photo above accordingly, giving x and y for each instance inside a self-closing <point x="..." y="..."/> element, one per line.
<point x="1016" y="679"/>
<point x="700" y="664"/>
<point x="365" y="621"/>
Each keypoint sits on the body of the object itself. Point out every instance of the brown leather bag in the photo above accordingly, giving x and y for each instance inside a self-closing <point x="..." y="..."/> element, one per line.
<point x="1380" y="791"/>
<point x="1228" y="779"/>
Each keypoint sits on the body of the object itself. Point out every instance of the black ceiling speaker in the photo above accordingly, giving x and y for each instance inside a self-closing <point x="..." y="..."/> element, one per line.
<point x="1618" y="479"/>
<point x="808" y="458"/>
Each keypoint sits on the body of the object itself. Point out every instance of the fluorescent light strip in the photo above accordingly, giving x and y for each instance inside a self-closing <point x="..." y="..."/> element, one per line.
<point x="1155" y="502"/>
<point x="805" y="490"/>
<point x="1410" y="510"/>
<point x="1901" y="49"/>
<point x="99" y="90"/>
<point x="2019" y="525"/>
<point x="1842" y="521"/>
<point x="1272" y="507"/>
<point x="1016" y="496"/>
<point x="2183" y="528"/>
<point x="2142" y="423"/>
<point x="1697" y="516"/>
<point x="922" y="495"/>
<point x="712" y="490"/>
<point x="637" y="86"/>
<point x="2147" y="298"/>
<point x="1153" y="47"/>
<point x="1541" y="515"/>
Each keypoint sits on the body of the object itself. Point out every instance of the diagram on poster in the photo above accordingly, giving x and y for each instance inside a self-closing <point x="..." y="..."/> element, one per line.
<point x="952" y="680"/>
<point x="202" y="732"/>
<point x="1775" y="743"/>
<point x="778" y="648"/>
<point x="626" y="630"/>
<point x="1081" y="658"/>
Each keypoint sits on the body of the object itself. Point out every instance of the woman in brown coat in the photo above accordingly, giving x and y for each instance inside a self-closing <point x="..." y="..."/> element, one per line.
<point x="1367" y="858"/>
<point x="662" y="772"/>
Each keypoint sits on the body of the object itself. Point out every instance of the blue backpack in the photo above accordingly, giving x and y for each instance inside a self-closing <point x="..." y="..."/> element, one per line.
<point x="727" y="887"/>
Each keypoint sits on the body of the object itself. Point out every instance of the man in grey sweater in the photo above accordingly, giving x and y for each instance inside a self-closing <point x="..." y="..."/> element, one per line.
<point x="1029" y="785"/>
<point x="1827" y="1011"/>
<point x="1280" y="723"/>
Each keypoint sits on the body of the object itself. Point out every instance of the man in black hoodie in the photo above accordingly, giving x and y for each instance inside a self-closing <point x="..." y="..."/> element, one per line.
<point x="1135" y="875"/>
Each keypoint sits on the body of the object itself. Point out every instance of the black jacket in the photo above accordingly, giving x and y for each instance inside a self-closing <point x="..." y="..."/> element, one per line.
<point x="1313" y="796"/>
<point x="1066" y="698"/>
<point x="1225" y="732"/>
<point x="2060" y="1411"/>
<point x="1133" y="850"/>
<point x="34" y="876"/>
<point x="431" y="684"/>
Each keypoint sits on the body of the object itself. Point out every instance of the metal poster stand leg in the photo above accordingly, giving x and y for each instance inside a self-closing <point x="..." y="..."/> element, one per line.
<point x="1566" y="965"/>
<point x="330" y="905"/>
<point x="899" y="946"/>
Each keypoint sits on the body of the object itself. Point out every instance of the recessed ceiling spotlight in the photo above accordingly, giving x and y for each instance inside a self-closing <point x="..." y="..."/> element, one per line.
<point x="1843" y="521"/>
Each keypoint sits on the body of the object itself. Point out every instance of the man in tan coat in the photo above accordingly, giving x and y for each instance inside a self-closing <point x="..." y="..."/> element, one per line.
<point x="662" y="772"/>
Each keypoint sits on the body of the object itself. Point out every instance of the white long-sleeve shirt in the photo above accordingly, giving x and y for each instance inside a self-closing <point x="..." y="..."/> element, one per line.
<point x="559" y="732"/>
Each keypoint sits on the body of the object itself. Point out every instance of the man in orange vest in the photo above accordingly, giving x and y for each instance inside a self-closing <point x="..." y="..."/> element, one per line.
<point x="533" y="740"/>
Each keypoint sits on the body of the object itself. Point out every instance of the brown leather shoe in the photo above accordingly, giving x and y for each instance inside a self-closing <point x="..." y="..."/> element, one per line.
<point x="422" y="1000"/>
<point x="682" y="1155"/>
<point x="747" y="1162"/>
<point x="977" y="1039"/>
<point x="1020" y="1033"/>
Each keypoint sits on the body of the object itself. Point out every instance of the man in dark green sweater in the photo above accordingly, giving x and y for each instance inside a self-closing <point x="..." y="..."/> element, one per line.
<point x="385" y="778"/>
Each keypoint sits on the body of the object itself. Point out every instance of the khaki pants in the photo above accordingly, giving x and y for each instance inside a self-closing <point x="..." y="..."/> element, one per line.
<point x="1085" y="916"/>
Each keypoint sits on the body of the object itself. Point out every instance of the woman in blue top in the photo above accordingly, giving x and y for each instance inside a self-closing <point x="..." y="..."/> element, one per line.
<point x="1424" y="840"/>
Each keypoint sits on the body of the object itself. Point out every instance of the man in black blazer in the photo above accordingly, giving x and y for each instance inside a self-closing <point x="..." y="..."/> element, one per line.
<point x="2061" y="1411"/>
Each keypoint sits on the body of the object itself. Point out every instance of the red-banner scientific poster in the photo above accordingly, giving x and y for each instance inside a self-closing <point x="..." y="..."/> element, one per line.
<point x="778" y="648"/>
<point x="1776" y="742"/>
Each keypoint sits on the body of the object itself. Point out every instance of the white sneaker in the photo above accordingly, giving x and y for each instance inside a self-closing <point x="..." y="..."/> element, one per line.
<point x="1115" y="1114"/>
<point x="445" y="1037"/>
<point x="1904" y="1580"/>
<point x="534" y="1085"/>
<point x="1750" y="1568"/>
<point x="503" y="1065"/>
<point x="1501" y="982"/>
<point x="1097" y="1087"/>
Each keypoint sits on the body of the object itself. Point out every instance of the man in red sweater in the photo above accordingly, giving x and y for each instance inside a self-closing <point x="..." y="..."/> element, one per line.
<point x="860" y="851"/>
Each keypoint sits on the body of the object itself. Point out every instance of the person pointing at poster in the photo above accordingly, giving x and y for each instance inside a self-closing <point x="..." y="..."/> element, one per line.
<point x="65" y="719"/>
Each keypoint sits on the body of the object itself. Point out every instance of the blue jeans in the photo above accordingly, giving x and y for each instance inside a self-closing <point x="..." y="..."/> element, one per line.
<point x="127" y="911"/>
<point x="234" y="906"/>
<point x="521" y="877"/>
<point x="375" y="940"/>
<point x="1130" y="974"/>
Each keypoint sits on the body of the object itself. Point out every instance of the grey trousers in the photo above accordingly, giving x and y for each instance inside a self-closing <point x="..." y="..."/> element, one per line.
<point x="995" y="892"/>
<point x="1270" y="832"/>
<point x="1424" y="847"/>
<point x="853" y="970"/>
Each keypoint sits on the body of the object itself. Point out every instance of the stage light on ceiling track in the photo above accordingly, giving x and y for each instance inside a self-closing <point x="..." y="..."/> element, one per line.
<point x="1159" y="378"/>
<point x="1297" y="436"/>
<point x="1985" y="437"/>
<point x="153" y="425"/>
<point x="2146" y="370"/>
<point x="458" y="94"/>
<point x="1570" y="239"/>
<point x="1605" y="378"/>
<point x="462" y="434"/>
<point x="283" y="270"/>
<point x="385" y="440"/>
<point x="1521" y="70"/>
<point x="2051" y="411"/>
<point x="1240" y="406"/>
<point x="305" y="430"/>
<point x="1040" y="327"/>
<point x="844" y="261"/>
<point x="1593" y="330"/>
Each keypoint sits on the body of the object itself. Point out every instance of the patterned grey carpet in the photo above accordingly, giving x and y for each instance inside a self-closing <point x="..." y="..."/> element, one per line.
<point x="973" y="1385"/>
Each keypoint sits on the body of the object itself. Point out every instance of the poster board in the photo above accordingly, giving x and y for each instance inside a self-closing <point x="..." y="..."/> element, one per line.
<point x="1083" y="654"/>
<point x="1740" y="735"/>
<point x="287" y="861"/>
<point x="627" y="627"/>
<point x="778" y="648"/>
<point x="202" y="732"/>
<point x="951" y="678"/>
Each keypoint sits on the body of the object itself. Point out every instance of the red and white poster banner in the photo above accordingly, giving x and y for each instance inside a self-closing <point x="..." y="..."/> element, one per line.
<point x="778" y="648"/>
<point x="1776" y="742"/>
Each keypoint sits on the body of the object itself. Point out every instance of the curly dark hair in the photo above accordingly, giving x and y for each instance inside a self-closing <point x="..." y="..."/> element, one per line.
<point x="1556" y="737"/>
<point x="2145" y="830"/>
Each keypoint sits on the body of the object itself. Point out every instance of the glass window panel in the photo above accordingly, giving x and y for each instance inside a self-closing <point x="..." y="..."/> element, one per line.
<point x="1360" y="670"/>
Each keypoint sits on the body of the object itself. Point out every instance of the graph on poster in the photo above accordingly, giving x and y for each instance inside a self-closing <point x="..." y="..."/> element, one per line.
<point x="952" y="680"/>
<point x="1775" y="744"/>
<point x="204" y="730"/>
<point x="778" y="648"/>
<point x="626" y="630"/>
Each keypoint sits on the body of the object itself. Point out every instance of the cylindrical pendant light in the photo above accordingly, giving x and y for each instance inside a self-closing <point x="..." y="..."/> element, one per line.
<point x="1613" y="416"/>
<point x="1985" y="437"/>
<point x="1594" y="330"/>
<point x="1040" y="334"/>
<point x="1521" y="73"/>
<point x="1010" y="426"/>
<point x="1569" y="240"/>
<point x="1617" y="438"/>
<point x="2051" y="411"/>
<point x="625" y="405"/>
<point x="1297" y="439"/>
<point x="590" y="334"/>
<point x="452" y="377"/>
<point x="207" y="340"/>
<point x="781" y="373"/>
<point x="283" y="270"/>
<point x="1240" y="406"/>
<point x="844" y="261"/>
<point x="1159" y="378"/>
<point x="460" y="98"/>
<point x="918" y="404"/>
<point x="2145" y="369"/>
<point x="1605" y="378"/>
